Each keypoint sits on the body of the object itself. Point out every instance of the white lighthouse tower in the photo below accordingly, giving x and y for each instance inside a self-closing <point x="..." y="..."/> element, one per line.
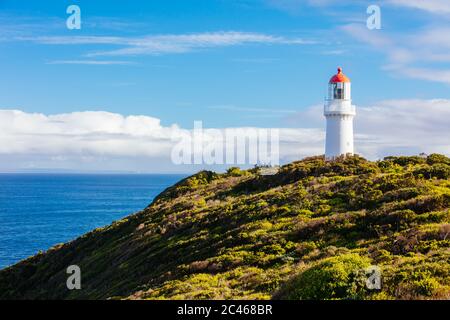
<point x="339" y="113"/>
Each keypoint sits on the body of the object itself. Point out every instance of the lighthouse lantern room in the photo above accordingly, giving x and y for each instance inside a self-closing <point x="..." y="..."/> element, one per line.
<point x="339" y="113"/>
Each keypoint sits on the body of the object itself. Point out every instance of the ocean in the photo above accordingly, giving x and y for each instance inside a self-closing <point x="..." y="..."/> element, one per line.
<point x="38" y="211"/>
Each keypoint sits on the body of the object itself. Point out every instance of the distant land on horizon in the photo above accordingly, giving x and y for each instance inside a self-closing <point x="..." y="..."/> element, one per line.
<point x="88" y="172"/>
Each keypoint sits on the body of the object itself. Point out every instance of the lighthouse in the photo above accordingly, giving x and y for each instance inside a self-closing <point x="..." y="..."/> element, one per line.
<point x="339" y="113"/>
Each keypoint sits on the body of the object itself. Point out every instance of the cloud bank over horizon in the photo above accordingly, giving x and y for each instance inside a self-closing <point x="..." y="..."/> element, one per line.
<point x="104" y="141"/>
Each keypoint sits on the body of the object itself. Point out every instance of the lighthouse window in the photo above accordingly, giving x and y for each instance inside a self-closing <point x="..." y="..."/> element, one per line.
<point x="338" y="91"/>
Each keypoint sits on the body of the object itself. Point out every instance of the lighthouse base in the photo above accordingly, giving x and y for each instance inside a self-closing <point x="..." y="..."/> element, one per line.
<point x="339" y="138"/>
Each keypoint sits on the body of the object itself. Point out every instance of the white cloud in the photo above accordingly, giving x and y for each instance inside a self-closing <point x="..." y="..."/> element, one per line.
<point x="269" y="112"/>
<point x="361" y="33"/>
<point x="81" y="133"/>
<point x="334" y="52"/>
<point x="433" y="6"/>
<point x="108" y="141"/>
<point x="77" y="40"/>
<point x="91" y="62"/>
<point x="404" y="52"/>
<point x="394" y="127"/>
<point x="435" y="75"/>
<point x="404" y="127"/>
<point x="296" y="6"/>
<point x="169" y="43"/>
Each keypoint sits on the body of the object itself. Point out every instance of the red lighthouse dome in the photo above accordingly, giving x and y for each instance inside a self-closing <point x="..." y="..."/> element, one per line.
<point x="339" y="77"/>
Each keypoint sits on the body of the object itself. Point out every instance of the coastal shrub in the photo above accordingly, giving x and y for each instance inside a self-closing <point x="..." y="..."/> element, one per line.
<point x="405" y="161"/>
<point x="401" y="194"/>
<point x="435" y="171"/>
<point x="426" y="286"/>
<point x="302" y="233"/>
<point x="306" y="247"/>
<point x="426" y="203"/>
<point x="235" y="172"/>
<point x="438" y="158"/>
<point x="186" y="185"/>
<point x="340" y="277"/>
<point x="444" y="231"/>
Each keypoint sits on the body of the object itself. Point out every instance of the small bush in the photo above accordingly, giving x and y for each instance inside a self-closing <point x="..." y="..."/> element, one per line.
<point x="235" y="172"/>
<point x="426" y="286"/>
<point x="437" y="158"/>
<point x="404" y="161"/>
<point x="340" y="277"/>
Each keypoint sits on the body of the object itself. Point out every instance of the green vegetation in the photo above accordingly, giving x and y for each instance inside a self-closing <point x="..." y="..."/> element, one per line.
<point x="337" y="277"/>
<point x="307" y="232"/>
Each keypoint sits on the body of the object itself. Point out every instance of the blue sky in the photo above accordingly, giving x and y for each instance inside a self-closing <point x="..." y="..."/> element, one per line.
<point x="209" y="83"/>
<point x="259" y="63"/>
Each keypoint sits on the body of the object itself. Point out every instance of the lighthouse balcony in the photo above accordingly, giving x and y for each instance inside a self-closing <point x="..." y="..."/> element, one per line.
<point x="340" y="107"/>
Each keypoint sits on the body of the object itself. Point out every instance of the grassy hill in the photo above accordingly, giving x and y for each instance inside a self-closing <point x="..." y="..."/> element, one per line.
<point x="304" y="233"/>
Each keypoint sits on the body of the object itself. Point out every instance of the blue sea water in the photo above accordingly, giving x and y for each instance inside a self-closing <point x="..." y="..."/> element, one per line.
<point x="38" y="211"/>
